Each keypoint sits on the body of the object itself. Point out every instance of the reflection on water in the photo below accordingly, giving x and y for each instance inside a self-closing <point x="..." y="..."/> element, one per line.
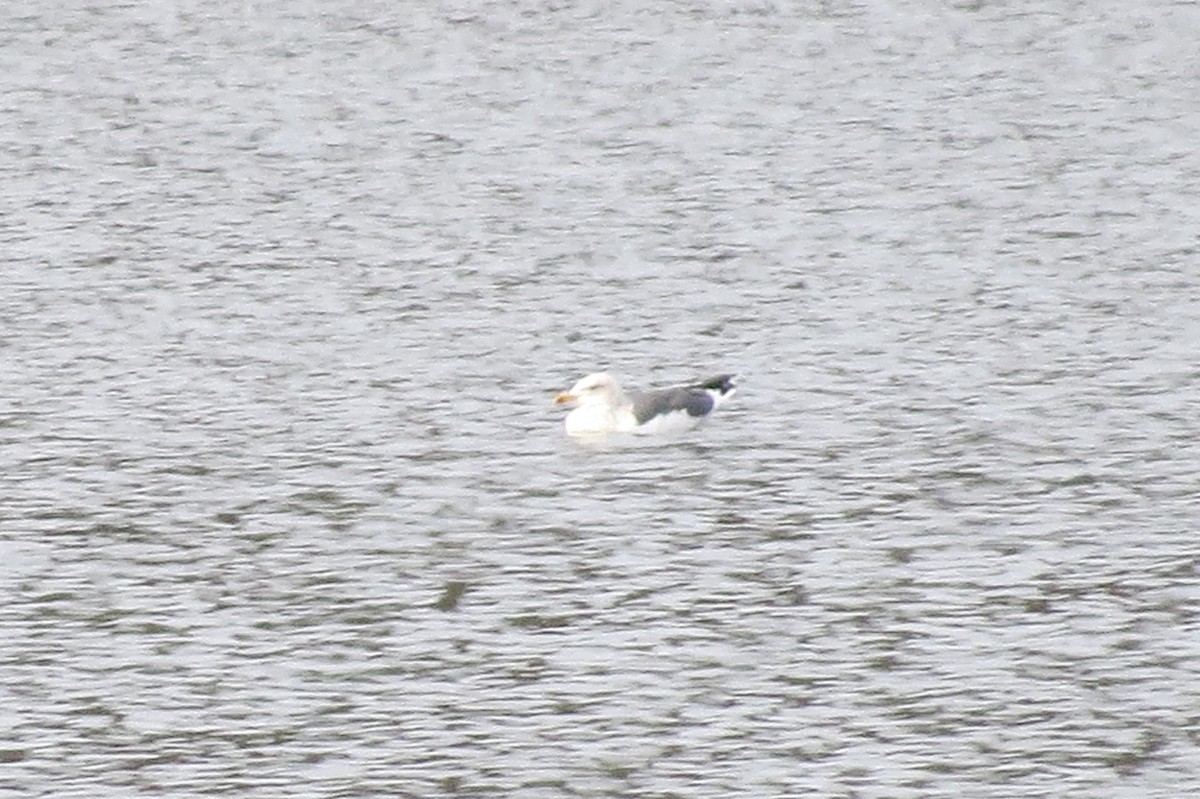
<point x="288" y="508"/>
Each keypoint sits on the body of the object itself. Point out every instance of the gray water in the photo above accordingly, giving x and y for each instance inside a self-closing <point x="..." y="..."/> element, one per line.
<point x="287" y="289"/>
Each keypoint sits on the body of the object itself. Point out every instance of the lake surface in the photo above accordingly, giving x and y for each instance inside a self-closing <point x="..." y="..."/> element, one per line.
<point x="285" y="507"/>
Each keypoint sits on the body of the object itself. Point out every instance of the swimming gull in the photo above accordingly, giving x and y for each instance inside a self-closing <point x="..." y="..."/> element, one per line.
<point x="601" y="406"/>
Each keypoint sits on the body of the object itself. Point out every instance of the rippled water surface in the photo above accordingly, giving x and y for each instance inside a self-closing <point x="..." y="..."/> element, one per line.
<point x="288" y="287"/>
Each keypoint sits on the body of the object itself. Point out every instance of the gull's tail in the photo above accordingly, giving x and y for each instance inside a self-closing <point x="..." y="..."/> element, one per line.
<point x="720" y="388"/>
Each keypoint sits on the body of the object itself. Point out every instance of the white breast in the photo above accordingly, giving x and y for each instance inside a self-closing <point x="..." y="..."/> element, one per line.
<point x="597" y="419"/>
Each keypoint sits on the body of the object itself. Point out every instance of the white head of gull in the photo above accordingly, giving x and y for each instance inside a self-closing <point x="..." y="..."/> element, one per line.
<point x="601" y="406"/>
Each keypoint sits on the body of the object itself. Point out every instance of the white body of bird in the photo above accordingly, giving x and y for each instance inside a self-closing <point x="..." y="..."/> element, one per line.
<point x="601" y="406"/>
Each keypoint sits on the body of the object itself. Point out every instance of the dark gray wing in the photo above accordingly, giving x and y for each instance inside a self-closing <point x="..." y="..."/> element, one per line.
<point x="647" y="405"/>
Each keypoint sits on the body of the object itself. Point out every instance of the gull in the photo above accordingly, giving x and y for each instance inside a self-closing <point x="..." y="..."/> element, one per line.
<point x="601" y="406"/>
